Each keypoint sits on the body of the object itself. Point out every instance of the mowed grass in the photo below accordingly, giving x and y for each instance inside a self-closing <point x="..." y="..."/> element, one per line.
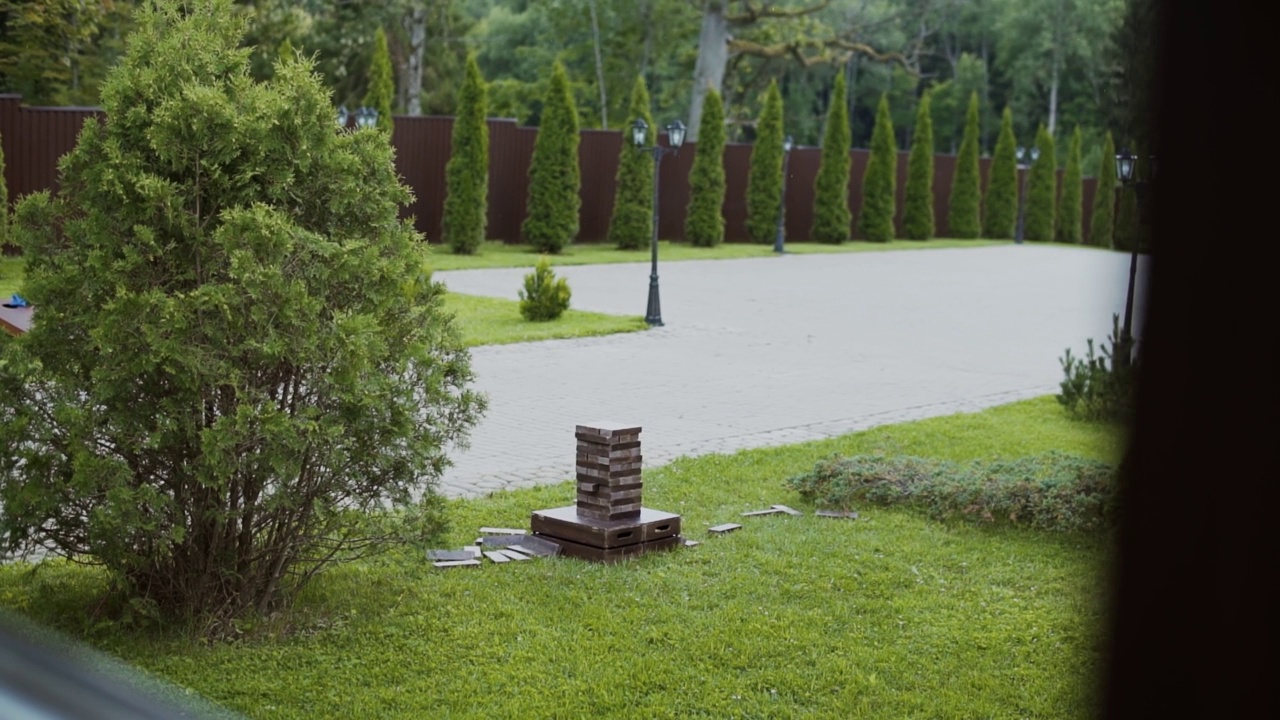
<point x="494" y="321"/>
<point x="482" y="320"/>
<point x="889" y="616"/>
<point x="496" y="254"/>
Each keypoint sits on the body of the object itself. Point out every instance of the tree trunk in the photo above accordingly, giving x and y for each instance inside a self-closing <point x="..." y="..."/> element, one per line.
<point x="411" y="78"/>
<point x="1053" y="94"/>
<point x="595" y="43"/>
<point x="713" y="55"/>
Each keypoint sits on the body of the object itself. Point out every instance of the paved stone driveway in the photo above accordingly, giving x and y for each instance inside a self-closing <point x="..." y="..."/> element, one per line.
<point x="778" y="350"/>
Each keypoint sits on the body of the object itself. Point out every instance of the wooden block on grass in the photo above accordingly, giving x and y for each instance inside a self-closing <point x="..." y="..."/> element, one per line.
<point x="515" y="555"/>
<point x="500" y="541"/>
<point x="787" y="510"/>
<point x="721" y="529"/>
<point x="497" y="556"/>
<point x="456" y="563"/>
<point x="770" y="511"/>
<point x="474" y="550"/>
<point x="449" y="555"/>
<point x="537" y="547"/>
<point x="502" y="531"/>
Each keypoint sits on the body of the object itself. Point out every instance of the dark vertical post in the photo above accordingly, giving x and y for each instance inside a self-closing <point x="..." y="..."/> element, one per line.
<point x="782" y="205"/>
<point x="653" y="314"/>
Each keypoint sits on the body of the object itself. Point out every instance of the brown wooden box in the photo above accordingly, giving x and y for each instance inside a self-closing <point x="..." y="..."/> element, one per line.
<point x="610" y="555"/>
<point x="565" y="522"/>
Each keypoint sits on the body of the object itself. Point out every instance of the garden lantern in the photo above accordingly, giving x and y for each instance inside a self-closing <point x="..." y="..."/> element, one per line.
<point x="638" y="130"/>
<point x="366" y="117"/>
<point x="1126" y="165"/>
<point x="675" y="136"/>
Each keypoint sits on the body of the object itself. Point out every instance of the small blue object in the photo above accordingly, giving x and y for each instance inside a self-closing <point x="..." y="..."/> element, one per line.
<point x="17" y="301"/>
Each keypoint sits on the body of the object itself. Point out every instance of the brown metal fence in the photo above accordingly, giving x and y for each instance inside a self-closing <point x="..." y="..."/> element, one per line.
<point x="35" y="137"/>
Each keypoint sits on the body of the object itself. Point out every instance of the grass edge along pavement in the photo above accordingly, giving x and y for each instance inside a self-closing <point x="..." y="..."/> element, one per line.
<point x="890" y="615"/>
<point x="496" y="254"/>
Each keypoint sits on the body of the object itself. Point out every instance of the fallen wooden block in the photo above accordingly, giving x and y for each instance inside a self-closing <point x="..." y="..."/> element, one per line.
<point x="691" y="543"/>
<point x="846" y="514"/>
<point x="500" y="541"/>
<point x="787" y="510"/>
<point x="770" y="511"/>
<point x="515" y="555"/>
<point x="536" y="546"/>
<point x="456" y="563"/>
<point x="721" y="529"/>
<point x="449" y="555"/>
<point x="474" y="550"/>
<point x="502" y="531"/>
<point x="497" y="556"/>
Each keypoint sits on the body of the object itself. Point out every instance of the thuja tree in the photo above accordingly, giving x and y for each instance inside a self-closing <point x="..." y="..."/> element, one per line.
<point x="1000" y="217"/>
<point x="917" y="217"/>
<point x="1102" y="223"/>
<point x="241" y="360"/>
<point x="764" y="186"/>
<point x="1041" y="189"/>
<point x="554" y="182"/>
<point x="1069" y="209"/>
<point x="965" y="218"/>
<point x="631" y="226"/>
<point x="467" y="174"/>
<point x="382" y="88"/>
<point x="880" y="179"/>
<point x="831" y="216"/>
<point x="704" y="223"/>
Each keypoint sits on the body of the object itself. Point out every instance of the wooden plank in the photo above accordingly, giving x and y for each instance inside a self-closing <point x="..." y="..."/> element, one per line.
<point x="496" y="556"/>
<point x="787" y="510"/>
<point x="474" y="550"/>
<point x="449" y="555"/>
<point x="514" y="555"/>
<point x="537" y="547"/>
<point x="691" y="543"/>
<point x="721" y="529"/>
<point x="500" y="541"/>
<point x="456" y="563"/>
<point x="770" y="511"/>
<point x="502" y="531"/>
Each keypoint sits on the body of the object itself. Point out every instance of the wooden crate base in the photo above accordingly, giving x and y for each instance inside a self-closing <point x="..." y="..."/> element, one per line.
<point x="568" y="548"/>
<point x="567" y="523"/>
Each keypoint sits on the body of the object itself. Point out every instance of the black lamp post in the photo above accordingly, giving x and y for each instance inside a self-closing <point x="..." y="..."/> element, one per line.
<point x="675" y="135"/>
<point x="365" y="117"/>
<point x="1022" y="192"/>
<point x="782" y="200"/>
<point x="1127" y="174"/>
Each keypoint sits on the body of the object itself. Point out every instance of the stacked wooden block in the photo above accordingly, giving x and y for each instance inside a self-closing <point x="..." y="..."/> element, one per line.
<point x="608" y="471"/>
<point x="607" y="523"/>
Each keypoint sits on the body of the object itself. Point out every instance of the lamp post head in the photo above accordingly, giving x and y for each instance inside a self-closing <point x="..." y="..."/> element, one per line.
<point x="1035" y="154"/>
<point x="366" y="117"/>
<point x="675" y="134"/>
<point x="343" y="116"/>
<point x="1022" y="153"/>
<point x="1126" y="164"/>
<point x="787" y="144"/>
<point x="639" y="129"/>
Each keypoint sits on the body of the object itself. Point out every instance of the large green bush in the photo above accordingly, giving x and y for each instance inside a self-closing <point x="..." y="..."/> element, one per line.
<point x="880" y="180"/>
<point x="965" y="217"/>
<point x="382" y="87"/>
<point x="1069" y="206"/>
<point x="1053" y="491"/>
<point x="764" y="186"/>
<point x="240" y="358"/>
<point x="1041" y="191"/>
<point x="1102" y="224"/>
<point x="917" y="216"/>
<point x="831" y="217"/>
<point x="631" y="226"/>
<point x="544" y="296"/>
<point x="1000" y="215"/>
<point x="467" y="174"/>
<point x="704" y="224"/>
<point x="554" y="181"/>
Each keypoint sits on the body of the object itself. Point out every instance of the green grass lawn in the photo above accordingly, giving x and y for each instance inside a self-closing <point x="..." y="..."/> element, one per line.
<point x="494" y="321"/>
<point x="890" y="616"/>
<point x="482" y="320"/>
<point x="497" y="254"/>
